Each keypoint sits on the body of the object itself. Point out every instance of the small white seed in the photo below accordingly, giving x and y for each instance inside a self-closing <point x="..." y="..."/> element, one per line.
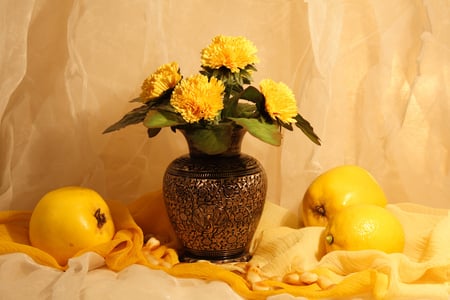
<point x="324" y="282"/>
<point x="292" y="278"/>
<point x="308" y="277"/>
<point x="152" y="243"/>
<point x="253" y="275"/>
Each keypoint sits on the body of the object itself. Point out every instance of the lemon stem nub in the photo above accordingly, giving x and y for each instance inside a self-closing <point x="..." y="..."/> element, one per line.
<point x="101" y="218"/>
<point x="320" y="210"/>
<point x="329" y="239"/>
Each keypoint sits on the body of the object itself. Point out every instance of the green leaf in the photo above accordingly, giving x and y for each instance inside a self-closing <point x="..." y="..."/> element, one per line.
<point x="266" y="132"/>
<point x="246" y="74"/>
<point x="135" y="116"/>
<point x="246" y="110"/>
<point x="162" y="118"/>
<point x="288" y="126"/>
<point x="152" y="132"/>
<point x="307" y="129"/>
<point x="210" y="140"/>
<point x="252" y="94"/>
<point x="138" y="99"/>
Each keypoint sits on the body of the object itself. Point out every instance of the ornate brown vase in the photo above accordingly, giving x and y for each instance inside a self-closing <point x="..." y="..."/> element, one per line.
<point x="215" y="202"/>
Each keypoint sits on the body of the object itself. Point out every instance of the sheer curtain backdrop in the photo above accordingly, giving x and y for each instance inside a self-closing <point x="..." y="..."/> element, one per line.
<point x="373" y="78"/>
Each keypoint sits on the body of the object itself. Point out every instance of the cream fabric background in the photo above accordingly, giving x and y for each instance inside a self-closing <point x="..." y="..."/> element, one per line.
<point x="373" y="78"/>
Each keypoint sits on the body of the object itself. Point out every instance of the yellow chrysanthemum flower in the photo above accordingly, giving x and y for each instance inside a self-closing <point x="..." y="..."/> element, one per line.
<point x="165" y="77"/>
<point x="232" y="52"/>
<point x="196" y="98"/>
<point x="280" y="100"/>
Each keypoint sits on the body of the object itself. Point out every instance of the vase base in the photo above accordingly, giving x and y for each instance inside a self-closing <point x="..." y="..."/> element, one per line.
<point x="243" y="257"/>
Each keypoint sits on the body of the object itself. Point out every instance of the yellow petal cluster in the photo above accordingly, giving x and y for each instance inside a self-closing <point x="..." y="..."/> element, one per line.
<point x="232" y="52"/>
<point x="197" y="98"/>
<point x="165" y="77"/>
<point x="280" y="100"/>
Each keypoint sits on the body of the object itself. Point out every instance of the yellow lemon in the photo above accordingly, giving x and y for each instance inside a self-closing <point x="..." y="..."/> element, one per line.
<point x="70" y="219"/>
<point x="364" y="226"/>
<point x="337" y="188"/>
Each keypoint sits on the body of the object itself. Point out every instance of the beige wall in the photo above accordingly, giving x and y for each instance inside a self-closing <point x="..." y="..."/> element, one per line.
<point x="373" y="78"/>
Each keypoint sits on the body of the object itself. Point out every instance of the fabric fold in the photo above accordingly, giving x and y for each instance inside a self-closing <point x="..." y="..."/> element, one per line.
<point x="286" y="260"/>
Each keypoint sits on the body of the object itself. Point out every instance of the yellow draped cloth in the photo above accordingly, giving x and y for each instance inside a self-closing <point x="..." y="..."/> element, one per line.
<point x="285" y="259"/>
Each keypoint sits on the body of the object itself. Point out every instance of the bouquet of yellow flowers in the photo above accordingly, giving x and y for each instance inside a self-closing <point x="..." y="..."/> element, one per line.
<point x="209" y="105"/>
